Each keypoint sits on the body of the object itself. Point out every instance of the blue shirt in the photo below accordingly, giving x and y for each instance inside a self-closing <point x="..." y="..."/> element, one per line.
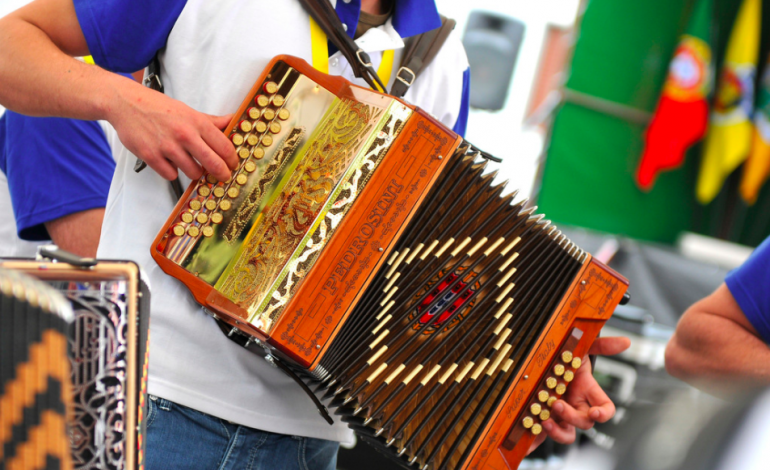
<point x="750" y="286"/>
<point x="124" y="36"/>
<point x="55" y="167"/>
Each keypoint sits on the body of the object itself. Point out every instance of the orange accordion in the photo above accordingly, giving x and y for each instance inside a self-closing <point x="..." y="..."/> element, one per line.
<point x="361" y="244"/>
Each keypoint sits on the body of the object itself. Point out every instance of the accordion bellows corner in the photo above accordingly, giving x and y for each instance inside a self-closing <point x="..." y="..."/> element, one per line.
<point x="368" y="247"/>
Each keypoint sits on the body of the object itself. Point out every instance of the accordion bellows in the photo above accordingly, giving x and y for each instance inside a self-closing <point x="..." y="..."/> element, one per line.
<point x="369" y="248"/>
<point x="100" y="361"/>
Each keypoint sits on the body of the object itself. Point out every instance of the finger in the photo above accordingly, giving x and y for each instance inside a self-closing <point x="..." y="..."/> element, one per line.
<point x="610" y="346"/>
<point x="218" y="142"/>
<point x="538" y="440"/>
<point x="569" y="415"/>
<point x="561" y="433"/>
<point x="202" y="152"/>
<point x="164" y="168"/>
<point x="602" y="408"/>
<point x="183" y="160"/>
<point x="220" y="121"/>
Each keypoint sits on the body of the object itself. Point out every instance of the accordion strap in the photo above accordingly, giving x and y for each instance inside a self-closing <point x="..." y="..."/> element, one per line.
<point x="420" y="50"/>
<point x="326" y="17"/>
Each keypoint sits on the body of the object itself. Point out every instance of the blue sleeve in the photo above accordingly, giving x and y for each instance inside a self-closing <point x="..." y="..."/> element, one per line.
<point x="124" y="35"/>
<point x="462" y="117"/>
<point x="749" y="286"/>
<point x="55" y="167"/>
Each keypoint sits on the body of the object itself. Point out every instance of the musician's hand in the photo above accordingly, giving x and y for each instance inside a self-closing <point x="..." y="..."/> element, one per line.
<point x="585" y="403"/>
<point x="169" y="135"/>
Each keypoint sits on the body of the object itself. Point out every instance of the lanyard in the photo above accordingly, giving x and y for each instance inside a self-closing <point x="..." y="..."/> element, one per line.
<point x="320" y="54"/>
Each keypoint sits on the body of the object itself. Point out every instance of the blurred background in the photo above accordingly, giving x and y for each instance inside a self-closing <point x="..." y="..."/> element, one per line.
<point x="565" y="92"/>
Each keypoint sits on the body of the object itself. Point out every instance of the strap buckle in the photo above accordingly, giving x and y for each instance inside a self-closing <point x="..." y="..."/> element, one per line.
<point x="363" y="59"/>
<point x="153" y="82"/>
<point x="404" y="80"/>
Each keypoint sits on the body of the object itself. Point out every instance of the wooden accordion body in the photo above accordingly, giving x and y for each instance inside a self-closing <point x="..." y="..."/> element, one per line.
<point x="105" y="350"/>
<point x="363" y="244"/>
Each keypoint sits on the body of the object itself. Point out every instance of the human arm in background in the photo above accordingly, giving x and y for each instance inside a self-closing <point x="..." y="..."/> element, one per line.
<point x="77" y="233"/>
<point x="716" y="348"/>
<point x="585" y="403"/>
<point x="39" y="77"/>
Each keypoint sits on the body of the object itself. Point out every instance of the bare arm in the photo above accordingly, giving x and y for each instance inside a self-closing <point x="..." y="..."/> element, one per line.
<point x="716" y="348"/>
<point x="77" y="233"/>
<point x="39" y="78"/>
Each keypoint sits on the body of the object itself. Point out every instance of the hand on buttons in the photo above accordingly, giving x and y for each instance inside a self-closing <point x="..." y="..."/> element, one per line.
<point x="585" y="403"/>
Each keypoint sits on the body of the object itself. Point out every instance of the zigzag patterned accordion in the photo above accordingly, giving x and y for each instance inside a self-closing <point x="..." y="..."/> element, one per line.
<point x="363" y="244"/>
<point x="94" y="365"/>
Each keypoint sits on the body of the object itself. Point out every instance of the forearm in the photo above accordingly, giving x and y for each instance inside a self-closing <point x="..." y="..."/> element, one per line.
<point x="716" y="354"/>
<point x="37" y="78"/>
<point x="77" y="233"/>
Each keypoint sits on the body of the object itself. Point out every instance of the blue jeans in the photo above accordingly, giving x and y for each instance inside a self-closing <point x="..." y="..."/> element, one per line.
<point x="181" y="438"/>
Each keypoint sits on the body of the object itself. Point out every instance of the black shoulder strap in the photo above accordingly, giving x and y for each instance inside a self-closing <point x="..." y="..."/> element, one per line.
<point x="326" y="17"/>
<point x="419" y="51"/>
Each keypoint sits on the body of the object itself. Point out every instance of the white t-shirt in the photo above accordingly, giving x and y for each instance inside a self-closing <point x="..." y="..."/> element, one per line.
<point x="214" y="54"/>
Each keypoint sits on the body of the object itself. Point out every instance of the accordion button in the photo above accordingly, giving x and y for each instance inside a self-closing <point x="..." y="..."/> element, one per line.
<point x="253" y="140"/>
<point x="225" y="205"/>
<point x="233" y="192"/>
<point x="558" y="369"/>
<point x="535" y="408"/>
<point x="202" y="218"/>
<point x="203" y="191"/>
<point x="195" y="204"/>
<point x="278" y="101"/>
<point x="211" y="179"/>
<point x="543" y="396"/>
<point x="219" y="191"/>
<point x="267" y="141"/>
<point x="241" y="179"/>
<point x="237" y="139"/>
<point x="208" y="231"/>
<point x="211" y="204"/>
<point x="216" y="218"/>
<point x="259" y="152"/>
<point x="275" y="128"/>
<point x="550" y="382"/>
<point x="544" y="415"/>
<point x="551" y="401"/>
<point x="245" y="126"/>
<point x="566" y="356"/>
<point x="271" y="87"/>
<point x="576" y="363"/>
<point x="561" y="389"/>
<point x="527" y="422"/>
<point x="178" y="230"/>
<point x="262" y="101"/>
<point x="253" y="113"/>
<point x="187" y="217"/>
<point x="250" y="166"/>
<point x="283" y="114"/>
<point x="269" y="115"/>
<point x="193" y="231"/>
<point x="243" y="153"/>
<point x="537" y="429"/>
<point x="260" y="126"/>
<point x="568" y="376"/>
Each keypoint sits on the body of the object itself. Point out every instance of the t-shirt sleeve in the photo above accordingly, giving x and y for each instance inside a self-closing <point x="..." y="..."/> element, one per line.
<point x="462" y="117"/>
<point x="55" y="167"/>
<point x="124" y="35"/>
<point x="750" y="286"/>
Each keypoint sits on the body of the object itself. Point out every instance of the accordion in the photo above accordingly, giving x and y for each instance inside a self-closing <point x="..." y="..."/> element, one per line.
<point x="104" y="349"/>
<point x="363" y="246"/>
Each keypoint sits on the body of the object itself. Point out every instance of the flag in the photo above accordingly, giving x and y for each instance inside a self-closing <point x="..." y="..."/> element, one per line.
<point x="757" y="167"/>
<point x="681" y="117"/>
<point x="729" y="136"/>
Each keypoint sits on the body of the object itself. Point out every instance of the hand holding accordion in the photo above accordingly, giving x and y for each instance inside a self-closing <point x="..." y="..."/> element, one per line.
<point x="360" y="243"/>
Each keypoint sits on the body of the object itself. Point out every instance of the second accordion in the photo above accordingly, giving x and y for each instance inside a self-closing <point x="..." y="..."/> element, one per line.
<point x="364" y="246"/>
